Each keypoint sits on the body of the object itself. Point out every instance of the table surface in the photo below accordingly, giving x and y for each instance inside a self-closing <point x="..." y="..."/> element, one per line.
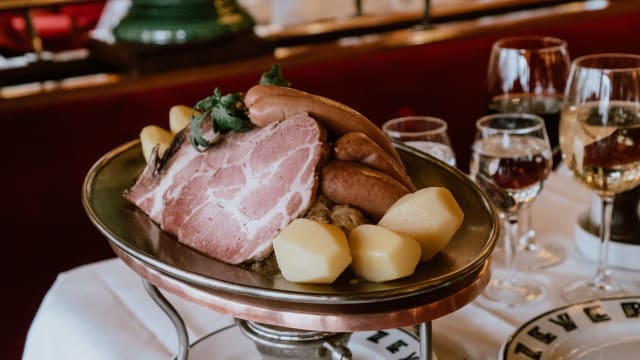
<point x="101" y="310"/>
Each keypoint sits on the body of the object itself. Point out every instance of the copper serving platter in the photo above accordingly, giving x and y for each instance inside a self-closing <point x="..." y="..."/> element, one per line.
<point x="156" y="255"/>
<point x="406" y="311"/>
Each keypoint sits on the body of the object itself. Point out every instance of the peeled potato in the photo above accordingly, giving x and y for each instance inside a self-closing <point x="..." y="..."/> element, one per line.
<point x="153" y="135"/>
<point x="179" y="117"/>
<point x="308" y="251"/>
<point x="430" y="215"/>
<point x="380" y="254"/>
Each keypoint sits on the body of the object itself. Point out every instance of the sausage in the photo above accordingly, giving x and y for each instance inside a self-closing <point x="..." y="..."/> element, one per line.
<point x="351" y="183"/>
<point x="268" y="104"/>
<point x="258" y="91"/>
<point x="356" y="146"/>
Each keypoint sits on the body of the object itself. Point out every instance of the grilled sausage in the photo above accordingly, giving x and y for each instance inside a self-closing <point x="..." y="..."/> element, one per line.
<point x="356" y="146"/>
<point x="351" y="183"/>
<point x="268" y="104"/>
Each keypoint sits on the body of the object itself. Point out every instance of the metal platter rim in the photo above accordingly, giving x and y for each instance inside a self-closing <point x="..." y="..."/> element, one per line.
<point x="278" y="294"/>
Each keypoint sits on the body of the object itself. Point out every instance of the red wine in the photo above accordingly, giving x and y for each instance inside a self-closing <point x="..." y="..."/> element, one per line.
<point x="521" y="172"/>
<point x="511" y="175"/>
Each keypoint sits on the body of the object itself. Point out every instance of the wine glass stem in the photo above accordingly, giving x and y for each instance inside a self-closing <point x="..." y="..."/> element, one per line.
<point x="526" y="237"/>
<point x="603" y="273"/>
<point x="510" y="245"/>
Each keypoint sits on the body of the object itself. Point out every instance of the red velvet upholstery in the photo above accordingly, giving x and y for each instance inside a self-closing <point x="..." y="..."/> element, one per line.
<point x="48" y="150"/>
<point x="65" y="27"/>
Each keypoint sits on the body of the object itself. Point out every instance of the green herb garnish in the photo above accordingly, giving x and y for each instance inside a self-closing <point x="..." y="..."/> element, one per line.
<point x="227" y="113"/>
<point x="274" y="77"/>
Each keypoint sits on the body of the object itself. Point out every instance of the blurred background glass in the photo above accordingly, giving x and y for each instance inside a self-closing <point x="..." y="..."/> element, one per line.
<point x="425" y="133"/>
<point x="528" y="74"/>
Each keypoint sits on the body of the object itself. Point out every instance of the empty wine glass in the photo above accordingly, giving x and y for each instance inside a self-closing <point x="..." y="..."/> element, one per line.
<point x="511" y="159"/>
<point x="528" y="74"/>
<point x="425" y="133"/>
<point x="600" y="142"/>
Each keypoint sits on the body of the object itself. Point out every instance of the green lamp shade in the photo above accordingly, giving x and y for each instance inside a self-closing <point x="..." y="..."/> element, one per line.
<point x="169" y="22"/>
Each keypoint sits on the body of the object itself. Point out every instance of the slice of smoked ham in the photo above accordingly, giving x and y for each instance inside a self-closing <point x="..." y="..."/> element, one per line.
<point x="230" y="201"/>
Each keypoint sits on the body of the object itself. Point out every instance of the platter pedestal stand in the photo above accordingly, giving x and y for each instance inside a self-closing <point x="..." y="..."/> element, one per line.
<point x="278" y="343"/>
<point x="262" y="320"/>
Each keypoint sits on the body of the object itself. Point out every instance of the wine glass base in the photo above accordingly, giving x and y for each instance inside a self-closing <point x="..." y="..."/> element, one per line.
<point x="593" y="289"/>
<point x="534" y="256"/>
<point x="539" y="256"/>
<point x="514" y="292"/>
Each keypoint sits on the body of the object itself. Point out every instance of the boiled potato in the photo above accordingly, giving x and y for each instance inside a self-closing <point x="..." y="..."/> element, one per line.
<point x="308" y="251"/>
<point x="380" y="254"/>
<point x="179" y="117"/>
<point x="153" y="135"/>
<point x="430" y="215"/>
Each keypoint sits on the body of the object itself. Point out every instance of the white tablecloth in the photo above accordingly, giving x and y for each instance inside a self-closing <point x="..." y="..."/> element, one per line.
<point x="101" y="310"/>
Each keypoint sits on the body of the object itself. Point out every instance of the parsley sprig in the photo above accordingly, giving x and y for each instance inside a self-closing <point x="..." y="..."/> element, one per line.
<point x="274" y="77"/>
<point x="226" y="112"/>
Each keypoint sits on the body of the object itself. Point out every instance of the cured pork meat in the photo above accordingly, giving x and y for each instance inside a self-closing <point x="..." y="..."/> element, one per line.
<point x="230" y="201"/>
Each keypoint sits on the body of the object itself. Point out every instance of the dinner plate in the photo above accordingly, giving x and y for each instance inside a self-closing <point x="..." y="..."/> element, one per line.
<point x="130" y="230"/>
<point x="230" y="343"/>
<point x="599" y="329"/>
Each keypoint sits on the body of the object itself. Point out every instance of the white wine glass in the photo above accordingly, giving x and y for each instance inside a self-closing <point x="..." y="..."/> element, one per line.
<point x="425" y="133"/>
<point x="600" y="142"/>
<point x="511" y="159"/>
<point x="528" y="74"/>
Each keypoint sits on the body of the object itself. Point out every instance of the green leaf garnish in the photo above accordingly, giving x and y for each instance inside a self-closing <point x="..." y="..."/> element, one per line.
<point x="195" y="135"/>
<point x="274" y="77"/>
<point x="227" y="113"/>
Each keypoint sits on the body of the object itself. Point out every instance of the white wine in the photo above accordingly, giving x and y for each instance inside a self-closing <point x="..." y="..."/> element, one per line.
<point x="602" y="148"/>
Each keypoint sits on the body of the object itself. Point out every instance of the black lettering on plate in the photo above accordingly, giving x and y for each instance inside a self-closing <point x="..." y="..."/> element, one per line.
<point x="546" y="338"/>
<point x="375" y="338"/>
<point x="395" y="347"/>
<point x="593" y="312"/>
<point x="523" y="349"/>
<point x="412" y="356"/>
<point x="631" y="309"/>
<point x="565" y="321"/>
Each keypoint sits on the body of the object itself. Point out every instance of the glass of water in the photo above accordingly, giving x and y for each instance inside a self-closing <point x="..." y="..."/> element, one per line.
<point x="425" y="133"/>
